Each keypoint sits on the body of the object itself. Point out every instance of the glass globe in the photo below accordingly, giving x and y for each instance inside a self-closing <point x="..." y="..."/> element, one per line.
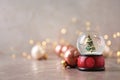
<point x="90" y="43"/>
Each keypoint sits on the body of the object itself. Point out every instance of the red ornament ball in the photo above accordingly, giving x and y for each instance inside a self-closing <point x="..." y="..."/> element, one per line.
<point x="58" y="49"/>
<point x="71" y="56"/>
<point x="66" y="47"/>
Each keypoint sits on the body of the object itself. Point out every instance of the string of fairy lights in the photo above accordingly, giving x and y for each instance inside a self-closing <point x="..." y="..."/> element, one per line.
<point x="108" y="52"/>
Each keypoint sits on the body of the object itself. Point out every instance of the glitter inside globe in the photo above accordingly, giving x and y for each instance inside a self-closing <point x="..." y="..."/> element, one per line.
<point x="90" y="43"/>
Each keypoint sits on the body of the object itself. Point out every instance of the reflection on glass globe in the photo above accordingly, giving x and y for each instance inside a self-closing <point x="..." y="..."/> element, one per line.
<point x="90" y="43"/>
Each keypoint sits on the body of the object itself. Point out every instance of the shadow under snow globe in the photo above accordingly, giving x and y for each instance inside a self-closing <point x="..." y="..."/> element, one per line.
<point x="91" y="46"/>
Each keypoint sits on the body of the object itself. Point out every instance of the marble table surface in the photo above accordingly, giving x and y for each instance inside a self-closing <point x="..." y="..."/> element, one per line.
<point x="21" y="68"/>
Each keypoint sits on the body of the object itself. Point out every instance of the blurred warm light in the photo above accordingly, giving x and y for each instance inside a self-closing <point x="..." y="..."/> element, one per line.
<point x="63" y="31"/>
<point x="47" y="40"/>
<point x="29" y="57"/>
<point x="118" y="53"/>
<point x="118" y="34"/>
<point x="38" y="43"/>
<point x="31" y="42"/>
<point x="114" y="35"/>
<point x="106" y="36"/>
<point x="107" y="49"/>
<point x="13" y="56"/>
<point x="110" y="54"/>
<point x="74" y="20"/>
<point x="67" y="43"/>
<point x="87" y="23"/>
<point x="78" y="32"/>
<point x="62" y="41"/>
<point x="87" y="28"/>
<point x="24" y="54"/>
<point x="55" y="44"/>
<point x="44" y="43"/>
<point x="109" y="43"/>
<point x="12" y="48"/>
<point x="118" y="60"/>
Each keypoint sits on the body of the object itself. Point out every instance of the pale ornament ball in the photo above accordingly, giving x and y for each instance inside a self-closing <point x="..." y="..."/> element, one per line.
<point x="38" y="52"/>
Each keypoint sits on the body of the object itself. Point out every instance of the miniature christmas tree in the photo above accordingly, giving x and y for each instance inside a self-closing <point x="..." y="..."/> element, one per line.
<point x="90" y="46"/>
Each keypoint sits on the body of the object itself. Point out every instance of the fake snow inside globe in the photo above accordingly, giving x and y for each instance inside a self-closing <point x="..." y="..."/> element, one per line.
<point x="90" y="43"/>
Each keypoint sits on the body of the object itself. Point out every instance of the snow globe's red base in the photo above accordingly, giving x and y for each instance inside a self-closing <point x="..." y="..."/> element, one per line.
<point x="91" y="63"/>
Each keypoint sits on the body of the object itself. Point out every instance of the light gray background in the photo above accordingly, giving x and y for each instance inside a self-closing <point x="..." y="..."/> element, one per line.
<point x="21" y="20"/>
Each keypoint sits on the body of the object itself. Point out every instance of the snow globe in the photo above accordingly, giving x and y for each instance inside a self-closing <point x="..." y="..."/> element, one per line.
<point x="91" y="46"/>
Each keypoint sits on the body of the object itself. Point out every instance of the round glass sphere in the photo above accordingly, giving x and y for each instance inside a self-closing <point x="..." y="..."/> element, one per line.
<point x="90" y="43"/>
